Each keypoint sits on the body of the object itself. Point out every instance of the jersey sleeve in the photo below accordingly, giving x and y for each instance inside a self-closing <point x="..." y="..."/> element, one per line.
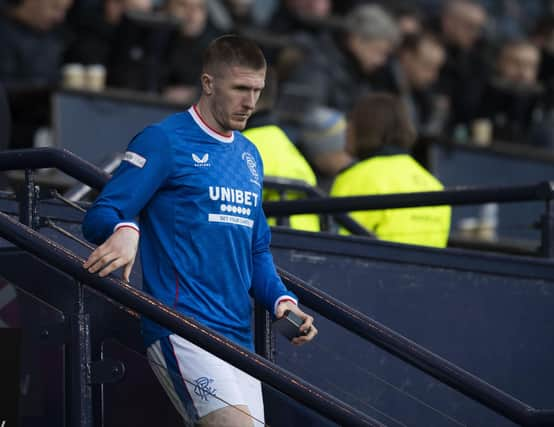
<point x="146" y="164"/>
<point x="267" y="286"/>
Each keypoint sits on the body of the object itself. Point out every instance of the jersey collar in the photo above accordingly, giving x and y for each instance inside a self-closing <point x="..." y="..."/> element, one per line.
<point x="207" y="129"/>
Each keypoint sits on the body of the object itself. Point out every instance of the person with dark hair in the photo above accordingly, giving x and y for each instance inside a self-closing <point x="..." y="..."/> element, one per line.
<point x="180" y="80"/>
<point x="33" y="42"/>
<point x="95" y="29"/>
<point x="380" y="134"/>
<point x="543" y="37"/>
<point x="34" y="36"/>
<point x="339" y="70"/>
<point x="412" y="75"/>
<point x="196" y="183"/>
<point x="140" y="47"/>
<point x="463" y="75"/>
<point x="320" y="89"/>
<point x="408" y="16"/>
<point x="514" y="100"/>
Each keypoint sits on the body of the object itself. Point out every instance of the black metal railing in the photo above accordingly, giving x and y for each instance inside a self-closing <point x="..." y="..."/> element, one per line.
<point x="33" y="242"/>
<point x="63" y="160"/>
<point x="367" y="328"/>
<point x="453" y="197"/>
<point x="543" y="191"/>
<point x="317" y="203"/>
<point x="416" y="355"/>
<point x="286" y="185"/>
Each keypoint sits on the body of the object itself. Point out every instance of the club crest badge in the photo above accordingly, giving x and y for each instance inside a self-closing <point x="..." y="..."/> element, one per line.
<point x="251" y="163"/>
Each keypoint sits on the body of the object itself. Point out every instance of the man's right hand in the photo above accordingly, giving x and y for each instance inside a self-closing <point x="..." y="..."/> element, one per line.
<point x="118" y="251"/>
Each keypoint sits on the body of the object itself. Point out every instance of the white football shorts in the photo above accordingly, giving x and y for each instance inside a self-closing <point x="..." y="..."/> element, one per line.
<point x="198" y="382"/>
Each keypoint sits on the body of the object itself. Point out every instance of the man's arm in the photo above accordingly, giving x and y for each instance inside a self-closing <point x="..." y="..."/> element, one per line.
<point x="111" y="220"/>
<point x="267" y="286"/>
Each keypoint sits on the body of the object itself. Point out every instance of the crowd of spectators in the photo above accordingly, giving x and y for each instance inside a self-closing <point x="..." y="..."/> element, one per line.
<point x="464" y="70"/>
<point x="452" y="62"/>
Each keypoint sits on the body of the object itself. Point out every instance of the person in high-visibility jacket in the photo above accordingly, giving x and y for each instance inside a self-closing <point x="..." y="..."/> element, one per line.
<point x="380" y="134"/>
<point x="282" y="159"/>
<point x="280" y="156"/>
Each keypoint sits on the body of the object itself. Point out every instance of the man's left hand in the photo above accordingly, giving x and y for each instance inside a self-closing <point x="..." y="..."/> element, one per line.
<point x="307" y="324"/>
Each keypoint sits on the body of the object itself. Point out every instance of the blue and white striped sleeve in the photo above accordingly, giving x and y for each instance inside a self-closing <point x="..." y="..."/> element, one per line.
<point x="144" y="168"/>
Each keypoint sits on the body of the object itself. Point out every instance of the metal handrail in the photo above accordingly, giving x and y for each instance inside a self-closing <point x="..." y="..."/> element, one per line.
<point x="416" y="355"/>
<point x="79" y="191"/>
<point x="293" y="386"/>
<point x="93" y="176"/>
<point x="543" y="191"/>
<point x="287" y="184"/>
<point x="336" y="311"/>
<point x="64" y="160"/>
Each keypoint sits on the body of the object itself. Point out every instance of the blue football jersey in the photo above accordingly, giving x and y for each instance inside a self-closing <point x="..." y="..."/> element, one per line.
<point x="204" y="243"/>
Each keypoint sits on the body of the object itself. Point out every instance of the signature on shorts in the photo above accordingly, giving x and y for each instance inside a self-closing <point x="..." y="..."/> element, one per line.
<point x="203" y="389"/>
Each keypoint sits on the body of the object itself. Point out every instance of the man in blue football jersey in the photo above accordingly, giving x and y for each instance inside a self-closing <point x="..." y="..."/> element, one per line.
<point x="196" y="182"/>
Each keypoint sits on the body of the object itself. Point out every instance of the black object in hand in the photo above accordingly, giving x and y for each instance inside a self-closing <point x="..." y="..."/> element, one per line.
<point x="289" y="325"/>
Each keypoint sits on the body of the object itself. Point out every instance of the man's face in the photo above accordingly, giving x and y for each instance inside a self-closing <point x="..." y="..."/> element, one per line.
<point x="314" y="8"/>
<point x="114" y="9"/>
<point x="233" y="93"/>
<point x="463" y="24"/>
<point x="519" y="64"/>
<point x="192" y="13"/>
<point x="50" y="13"/>
<point x="422" y="65"/>
<point x="370" y="53"/>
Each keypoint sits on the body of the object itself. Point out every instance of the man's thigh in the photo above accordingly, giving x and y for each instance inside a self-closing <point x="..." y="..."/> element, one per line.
<point x="230" y="416"/>
<point x="200" y="384"/>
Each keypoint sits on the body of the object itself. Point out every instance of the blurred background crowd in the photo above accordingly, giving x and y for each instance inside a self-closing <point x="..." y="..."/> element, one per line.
<point x="452" y="62"/>
<point x="464" y="70"/>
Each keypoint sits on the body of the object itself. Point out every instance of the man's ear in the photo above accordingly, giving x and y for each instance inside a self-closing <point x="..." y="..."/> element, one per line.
<point x="207" y="83"/>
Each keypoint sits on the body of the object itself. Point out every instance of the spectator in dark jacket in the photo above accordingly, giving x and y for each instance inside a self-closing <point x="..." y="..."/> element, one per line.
<point x="140" y="49"/>
<point x="291" y="16"/>
<point x="412" y="74"/>
<point x="181" y="83"/>
<point x="464" y="73"/>
<point x="95" y="30"/>
<point x="515" y="101"/>
<point x="338" y="71"/>
<point x="32" y="42"/>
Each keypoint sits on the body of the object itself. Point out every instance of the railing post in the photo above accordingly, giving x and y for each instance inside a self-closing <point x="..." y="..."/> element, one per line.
<point x="263" y="334"/>
<point x="28" y="203"/>
<point x="547" y="230"/>
<point x="283" y="221"/>
<point x="79" y="390"/>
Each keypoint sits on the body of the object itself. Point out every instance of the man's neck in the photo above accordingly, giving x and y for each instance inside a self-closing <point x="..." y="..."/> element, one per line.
<point x="205" y="112"/>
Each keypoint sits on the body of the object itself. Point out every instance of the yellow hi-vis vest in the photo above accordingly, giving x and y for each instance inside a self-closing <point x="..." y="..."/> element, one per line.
<point x="391" y="174"/>
<point x="282" y="159"/>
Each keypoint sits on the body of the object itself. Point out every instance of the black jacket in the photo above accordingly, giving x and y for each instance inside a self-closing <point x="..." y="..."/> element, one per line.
<point x="28" y="56"/>
<point x="328" y="76"/>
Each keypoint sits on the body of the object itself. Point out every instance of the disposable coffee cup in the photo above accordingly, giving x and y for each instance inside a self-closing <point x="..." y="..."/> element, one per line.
<point x="481" y="132"/>
<point x="73" y="76"/>
<point x="95" y="77"/>
<point x="468" y="228"/>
